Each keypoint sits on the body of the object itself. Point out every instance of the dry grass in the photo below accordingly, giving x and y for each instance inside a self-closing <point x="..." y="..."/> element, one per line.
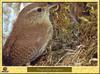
<point x="75" y="36"/>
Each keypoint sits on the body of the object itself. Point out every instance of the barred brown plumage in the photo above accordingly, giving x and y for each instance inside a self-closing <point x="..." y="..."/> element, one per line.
<point x="30" y="35"/>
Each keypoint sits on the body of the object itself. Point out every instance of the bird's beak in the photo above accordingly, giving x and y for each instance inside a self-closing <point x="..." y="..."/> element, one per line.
<point x="51" y="6"/>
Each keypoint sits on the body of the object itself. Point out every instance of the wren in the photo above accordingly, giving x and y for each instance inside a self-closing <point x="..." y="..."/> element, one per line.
<point x="31" y="33"/>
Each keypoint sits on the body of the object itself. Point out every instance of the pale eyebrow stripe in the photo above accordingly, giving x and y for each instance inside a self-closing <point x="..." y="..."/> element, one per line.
<point x="32" y="10"/>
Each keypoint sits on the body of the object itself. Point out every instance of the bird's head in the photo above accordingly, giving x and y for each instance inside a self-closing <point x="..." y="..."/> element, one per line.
<point x="36" y="12"/>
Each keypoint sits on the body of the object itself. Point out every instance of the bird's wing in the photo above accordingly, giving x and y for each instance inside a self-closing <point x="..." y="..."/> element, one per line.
<point x="8" y="45"/>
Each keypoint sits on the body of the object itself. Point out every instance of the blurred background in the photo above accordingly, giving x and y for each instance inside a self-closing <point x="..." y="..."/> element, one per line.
<point x="74" y="40"/>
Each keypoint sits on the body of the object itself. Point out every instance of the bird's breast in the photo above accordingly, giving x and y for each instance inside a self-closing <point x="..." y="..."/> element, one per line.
<point x="30" y="43"/>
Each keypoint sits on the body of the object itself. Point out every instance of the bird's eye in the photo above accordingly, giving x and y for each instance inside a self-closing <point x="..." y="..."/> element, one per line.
<point x="39" y="9"/>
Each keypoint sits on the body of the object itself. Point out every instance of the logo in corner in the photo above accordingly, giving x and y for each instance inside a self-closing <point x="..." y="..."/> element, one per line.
<point x="5" y="69"/>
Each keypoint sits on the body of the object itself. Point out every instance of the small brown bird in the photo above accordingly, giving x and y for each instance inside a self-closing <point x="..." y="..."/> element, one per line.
<point x="30" y="35"/>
